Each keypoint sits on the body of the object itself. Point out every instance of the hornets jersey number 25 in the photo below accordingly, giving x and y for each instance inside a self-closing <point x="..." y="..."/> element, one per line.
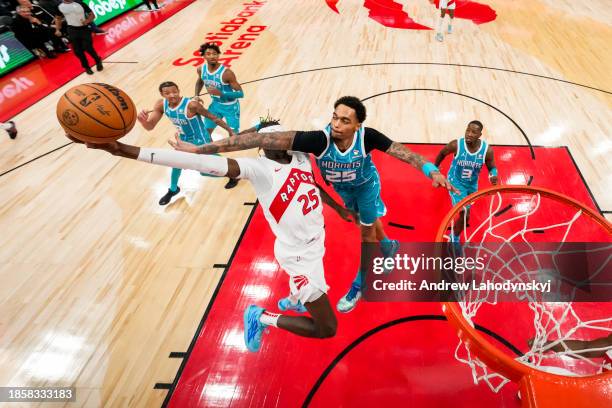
<point x="350" y="168"/>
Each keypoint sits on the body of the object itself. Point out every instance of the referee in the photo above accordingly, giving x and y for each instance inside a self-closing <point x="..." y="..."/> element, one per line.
<point x="78" y="17"/>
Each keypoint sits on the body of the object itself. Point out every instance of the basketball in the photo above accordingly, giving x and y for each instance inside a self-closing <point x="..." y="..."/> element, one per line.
<point x="96" y="113"/>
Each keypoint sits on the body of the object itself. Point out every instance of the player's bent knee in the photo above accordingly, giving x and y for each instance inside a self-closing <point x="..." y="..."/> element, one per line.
<point x="326" y="331"/>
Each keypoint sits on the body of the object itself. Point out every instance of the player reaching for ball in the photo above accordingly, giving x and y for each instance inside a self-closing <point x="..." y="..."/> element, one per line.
<point x="292" y="205"/>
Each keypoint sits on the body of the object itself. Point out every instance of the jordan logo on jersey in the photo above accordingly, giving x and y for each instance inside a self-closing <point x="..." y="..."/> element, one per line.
<point x="287" y="192"/>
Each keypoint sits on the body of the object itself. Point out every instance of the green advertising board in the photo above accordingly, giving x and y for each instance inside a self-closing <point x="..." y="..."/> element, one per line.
<point x="107" y="9"/>
<point x="12" y="53"/>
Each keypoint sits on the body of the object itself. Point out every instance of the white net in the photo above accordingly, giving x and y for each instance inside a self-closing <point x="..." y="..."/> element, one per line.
<point x="505" y="230"/>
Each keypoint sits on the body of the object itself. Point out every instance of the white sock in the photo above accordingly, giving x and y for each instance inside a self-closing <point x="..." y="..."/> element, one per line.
<point x="440" y="23"/>
<point x="269" y="319"/>
<point x="5" y="126"/>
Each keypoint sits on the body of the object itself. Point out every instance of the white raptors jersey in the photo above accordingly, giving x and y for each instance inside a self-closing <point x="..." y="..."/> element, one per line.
<point x="288" y="195"/>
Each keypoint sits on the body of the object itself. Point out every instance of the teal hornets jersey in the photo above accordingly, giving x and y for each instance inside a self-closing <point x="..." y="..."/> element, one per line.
<point x="351" y="168"/>
<point x="466" y="166"/>
<point x="192" y="129"/>
<point x="215" y="79"/>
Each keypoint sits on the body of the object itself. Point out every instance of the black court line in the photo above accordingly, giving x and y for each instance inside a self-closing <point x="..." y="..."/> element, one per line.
<point x="162" y="386"/>
<point x="503" y="210"/>
<point x="582" y="178"/>
<point x="221" y="266"/>
<point x="177" y="354"/>
<point x="395" y="224"/>
<point x="428" y="63"/>
<point x="606" y="212"/>
<point x="207" y="311"/>
<point x="249" y="203"/>
<point x="387" y="325"/>
<point x="466" y="96"/>
<point x="36" y="158"/>
<point x="538" y="231"/>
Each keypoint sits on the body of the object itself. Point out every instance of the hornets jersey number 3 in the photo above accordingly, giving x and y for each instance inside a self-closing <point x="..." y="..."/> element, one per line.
<point x="466" y="166"/>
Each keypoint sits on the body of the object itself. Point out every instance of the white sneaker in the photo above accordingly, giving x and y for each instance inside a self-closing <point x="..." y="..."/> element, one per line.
<point x="439" y="37"/>
<point x="349" y="301"/>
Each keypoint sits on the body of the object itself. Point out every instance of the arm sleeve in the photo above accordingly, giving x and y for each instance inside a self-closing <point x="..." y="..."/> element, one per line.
<point x="313" y="142"/>
<point x="373" y="139"/>
<point x="256" y="172"/>
<point x="213" y="165"/>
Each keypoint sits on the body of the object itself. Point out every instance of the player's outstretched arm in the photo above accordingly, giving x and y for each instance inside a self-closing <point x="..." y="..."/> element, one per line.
<point x="490" y="163"/>
<point x="599" y="345"/>
<point x="271" y="141"/>
<point x="150" y="118"/>
<point x="211" y="165"/>
<point x="401" y="152"/>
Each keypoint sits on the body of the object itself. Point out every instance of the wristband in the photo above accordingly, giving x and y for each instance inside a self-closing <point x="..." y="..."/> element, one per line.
<point x="233" y="94"/>
<point x="493" y="172"/>
<point x="428" y="168"/>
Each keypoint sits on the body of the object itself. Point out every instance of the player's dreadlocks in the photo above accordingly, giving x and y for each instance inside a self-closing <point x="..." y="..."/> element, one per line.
<point x="267" y="121"/>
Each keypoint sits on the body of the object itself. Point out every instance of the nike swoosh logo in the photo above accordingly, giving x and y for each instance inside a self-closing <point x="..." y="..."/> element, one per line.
<point x="277" y="170"/>
<point x="152" y="154"/>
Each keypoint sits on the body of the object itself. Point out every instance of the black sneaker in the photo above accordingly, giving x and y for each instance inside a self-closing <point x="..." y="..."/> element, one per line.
<point x="12" y="132"/>
<point x="231" y="183"/>
<point x="89" y="71"/>
<point x="166" y="198"/>
<point x="99" y="66"/>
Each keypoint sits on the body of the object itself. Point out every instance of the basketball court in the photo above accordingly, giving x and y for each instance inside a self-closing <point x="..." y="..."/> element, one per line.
<point x="136" y="304"/>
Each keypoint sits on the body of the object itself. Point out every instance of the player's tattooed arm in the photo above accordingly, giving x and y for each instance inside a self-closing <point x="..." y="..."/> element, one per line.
<point x="450" y="148"/>
<point x="270" y="141"/>
<point x="401" y="152"/>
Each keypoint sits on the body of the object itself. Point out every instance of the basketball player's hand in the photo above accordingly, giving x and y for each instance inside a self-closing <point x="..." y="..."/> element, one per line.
<point x="213" y="91"/>
<point x="58" y="33"/>
<point x="74" y="139"/>
<point x="438" y="180"/>
<point x="197" y="99"/>
<point x="143" y="115"/>
<point x="182" y="146"/>
<point x="493" y="180"/>
<point x="345" y="214"/>
<point x="112" y="147"/>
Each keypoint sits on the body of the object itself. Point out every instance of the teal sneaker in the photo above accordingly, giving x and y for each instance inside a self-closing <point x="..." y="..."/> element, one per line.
<point x="253" y="328"/>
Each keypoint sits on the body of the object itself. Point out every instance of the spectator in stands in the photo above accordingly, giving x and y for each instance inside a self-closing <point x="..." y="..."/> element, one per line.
<point x="78" y="17"/>
<point x="6" y="13"/>
<point x="44" y="22"/>
<point x="148" y="4"/>
<point x="29" y="31"/>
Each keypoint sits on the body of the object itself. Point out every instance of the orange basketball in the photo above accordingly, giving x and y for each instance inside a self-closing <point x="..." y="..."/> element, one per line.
<point x="96" y="113"/>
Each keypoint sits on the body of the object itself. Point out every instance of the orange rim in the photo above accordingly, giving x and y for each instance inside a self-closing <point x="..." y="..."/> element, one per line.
<point x="490" y="355"/>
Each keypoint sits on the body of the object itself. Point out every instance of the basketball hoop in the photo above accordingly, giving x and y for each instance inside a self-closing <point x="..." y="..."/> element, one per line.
<point x="506" y="214"/>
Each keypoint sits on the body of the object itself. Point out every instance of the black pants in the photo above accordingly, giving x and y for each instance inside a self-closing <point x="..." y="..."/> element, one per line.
<point x="81" y="41"/>
<point x="146" y="2"/>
